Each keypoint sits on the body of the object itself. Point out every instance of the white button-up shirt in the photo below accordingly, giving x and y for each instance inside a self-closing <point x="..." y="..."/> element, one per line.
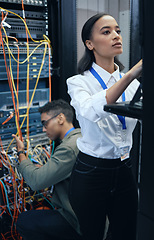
<point x="102" y="133"/>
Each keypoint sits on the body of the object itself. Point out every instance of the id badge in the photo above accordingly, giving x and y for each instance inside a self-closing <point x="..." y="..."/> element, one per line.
<point x="124" y="151"/>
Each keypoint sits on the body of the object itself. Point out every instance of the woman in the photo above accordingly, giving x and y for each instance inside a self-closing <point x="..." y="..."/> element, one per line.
<point x="102" y="183"/>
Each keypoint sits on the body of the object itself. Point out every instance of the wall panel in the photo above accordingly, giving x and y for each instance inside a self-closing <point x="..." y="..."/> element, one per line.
<point x="119" y="9"/>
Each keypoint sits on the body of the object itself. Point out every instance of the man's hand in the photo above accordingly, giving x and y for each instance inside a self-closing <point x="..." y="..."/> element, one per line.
<point x="19" y="143"/>
<point x="38" y="165"/>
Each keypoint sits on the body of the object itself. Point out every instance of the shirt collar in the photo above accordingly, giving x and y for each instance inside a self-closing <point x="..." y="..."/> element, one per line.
<point x="116" y="73"/>
<point x="106" y="75"/>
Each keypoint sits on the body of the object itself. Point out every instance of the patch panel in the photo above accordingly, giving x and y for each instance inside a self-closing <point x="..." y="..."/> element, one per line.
<point x="6" y="109"/>
<point x="39" y="3"/>
<point x="40" y="98"/>
<point x="28" y="14"/>
<point x="35" y="62"/>
<point x="17" y="28"/>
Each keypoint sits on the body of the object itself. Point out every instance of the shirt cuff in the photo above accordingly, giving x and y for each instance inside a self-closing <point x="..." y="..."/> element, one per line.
<point x="98" y="102"/>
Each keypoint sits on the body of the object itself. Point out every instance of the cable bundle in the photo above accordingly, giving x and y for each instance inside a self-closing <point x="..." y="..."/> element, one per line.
<point x="15" y="195"/>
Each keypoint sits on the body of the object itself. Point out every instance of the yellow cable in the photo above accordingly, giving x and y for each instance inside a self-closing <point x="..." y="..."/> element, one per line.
<point x="11" y="73"/>
<point x="45" y="50"/>
<point x="27" y="95"/>
<point x="11" y="66"/>
<point x="29" y="54"/>
<point x="46" y="40"/>
<point x="31" y="96"/>
<point x="45" y="37"/>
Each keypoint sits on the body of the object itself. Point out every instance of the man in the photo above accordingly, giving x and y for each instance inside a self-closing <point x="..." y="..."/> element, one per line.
<point x="59" y="224"/>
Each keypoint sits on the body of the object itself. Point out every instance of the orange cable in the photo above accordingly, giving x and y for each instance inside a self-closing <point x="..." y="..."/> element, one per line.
<point x="19" y="130"/>
<point x="9" y="78"/>
<point x="49" y="47"/>
<point x="27" y="81"/>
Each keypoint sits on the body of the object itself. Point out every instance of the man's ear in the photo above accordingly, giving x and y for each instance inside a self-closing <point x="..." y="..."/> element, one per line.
<point x="89" y="45"/>
<point x="61" y="118"/>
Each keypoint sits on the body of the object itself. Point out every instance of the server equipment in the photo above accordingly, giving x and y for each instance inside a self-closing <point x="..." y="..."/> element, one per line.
<point x="25" y="85"/>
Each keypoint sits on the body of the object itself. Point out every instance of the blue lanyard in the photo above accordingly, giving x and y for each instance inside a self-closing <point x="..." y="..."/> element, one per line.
<point x="100" y="80"/>
<point x="69" y="131"/>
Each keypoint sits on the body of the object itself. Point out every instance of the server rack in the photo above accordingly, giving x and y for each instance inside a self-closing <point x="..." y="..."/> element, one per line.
<point x="57" y="20"/>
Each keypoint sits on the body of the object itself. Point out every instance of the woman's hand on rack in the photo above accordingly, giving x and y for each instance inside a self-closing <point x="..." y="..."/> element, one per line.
<point x="136" y="71"/>
<point x="114" y="92"/>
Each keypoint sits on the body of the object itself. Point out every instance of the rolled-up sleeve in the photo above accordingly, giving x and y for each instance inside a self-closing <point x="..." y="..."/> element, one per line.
<point x="56" y="169"/>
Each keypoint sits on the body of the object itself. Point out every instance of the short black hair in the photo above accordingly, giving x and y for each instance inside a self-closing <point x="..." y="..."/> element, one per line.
<point x="57" y="107"/>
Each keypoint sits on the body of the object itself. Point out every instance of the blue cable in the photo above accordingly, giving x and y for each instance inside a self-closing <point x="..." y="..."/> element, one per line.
<point x="53" y="147"/>
<point x="6" y="198"/>
<point x="46" y="200"/>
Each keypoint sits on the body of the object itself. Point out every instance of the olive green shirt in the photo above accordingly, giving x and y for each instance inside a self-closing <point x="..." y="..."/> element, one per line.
<point x="56" y="172"/>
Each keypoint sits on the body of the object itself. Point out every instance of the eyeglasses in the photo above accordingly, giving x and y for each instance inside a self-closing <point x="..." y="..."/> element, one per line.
<point x="45" y="123"/>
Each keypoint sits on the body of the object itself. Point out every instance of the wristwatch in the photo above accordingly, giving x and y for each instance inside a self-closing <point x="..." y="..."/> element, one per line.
<point x="18" y="153"/>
